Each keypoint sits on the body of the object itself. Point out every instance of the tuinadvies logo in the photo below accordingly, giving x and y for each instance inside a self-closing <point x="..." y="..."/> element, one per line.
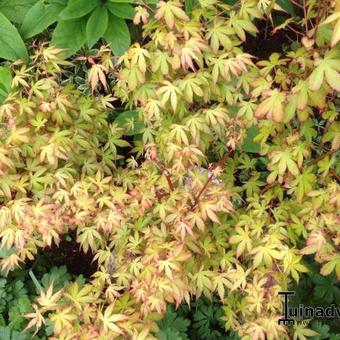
<point x="301" y="311"/>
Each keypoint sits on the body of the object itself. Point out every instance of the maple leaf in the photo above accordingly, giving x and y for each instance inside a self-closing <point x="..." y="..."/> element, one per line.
<point x="37" y="319"/>
<point x="161" y="61"/>
<point x="142" y="15"/>
<point x="333" y="264"/>
<point x="220" y="282"/>
<point x="9" y="263"/>
<point x="169" y="92"/>
<point x="110" y="320"/>
<point x="218" y="35"/>
<point x="329" y="68"/>
<point x="303" y="184"/>
<point x="336" y="31"/>
<point x="315" y="242"/>
<point x="139" y="56"/>
<point x="190" y="86"/>
<point x="273" y="62"/>
<point x="240" y="26"/>
<point x="48" y="300"/>
<point x="284" y="161"/>
<point x="203" y="281"/>
<point x="79" y="296"/>
<point x="89" y="237"/>
<point x="178" y="132"/>
<point x="96" y="74"/>
<point x="272" y="106"/>
<point x="63" y="319"/>
<point x="265" y="254"/>
<point x="333" y="135"/>
<point x="292" y="264"/>
<point x="301" y="332"/>
<point x="238" y="277"/>
<point x="169" y="11"/>
<point x="243" y="240"/>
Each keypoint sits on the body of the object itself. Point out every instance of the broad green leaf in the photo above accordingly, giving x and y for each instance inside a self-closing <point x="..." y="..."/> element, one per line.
<point x="7" y="333"/>
<point x="249" y="145"/>
<point x="336" y="32"/>
<point x="287" y="6"/>
<point x="11" y="45"/>
<point x="4" y="252"/>
<point x="191" y="4"/>
<point x="124" y="11"/>
<point x="5" y="82"/>
<point x="118" y="35"/>
<point x="78" y="9"/>
<point x="324" y="35"/>
<point x="131" y="122"/>
<point x="5" y="79"/>
<point x="126" y="2"/>
<point x="39" y="17"/>
<point x="15" y="10"/>
<point x="70" y="34"/>
<point x="96" y="25"/>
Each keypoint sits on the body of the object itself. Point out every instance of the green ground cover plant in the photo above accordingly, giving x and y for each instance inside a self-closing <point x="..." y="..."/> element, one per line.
<point x="73" y="24"/>
<point x="197" y="174"/>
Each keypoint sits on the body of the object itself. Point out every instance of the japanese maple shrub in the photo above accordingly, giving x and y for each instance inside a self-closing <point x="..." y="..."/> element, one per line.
<point x="191" y="213"/>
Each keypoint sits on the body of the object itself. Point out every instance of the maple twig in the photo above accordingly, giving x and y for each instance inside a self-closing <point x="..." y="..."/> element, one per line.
<point x="224" y="158"/>
<point x="321" y="157"/>
<point x="211" y="176"/>
<point x="267" y="187"/>
<point x="334" y="173"/>
<point x="294" y="30"/>
<point x="148" y="7"/>
<point x="196" y="199"/>
<point x="296" y="4"/>
<point x="305" y="16"/>
<point x="165" y="173"/>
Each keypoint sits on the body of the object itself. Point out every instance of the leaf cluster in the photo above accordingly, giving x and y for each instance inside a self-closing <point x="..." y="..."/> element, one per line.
<point x="218" y="179"/>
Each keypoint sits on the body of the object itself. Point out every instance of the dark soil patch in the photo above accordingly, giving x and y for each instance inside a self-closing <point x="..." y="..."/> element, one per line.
<point x="265" y="43"/>
<point x="70" y="254"/>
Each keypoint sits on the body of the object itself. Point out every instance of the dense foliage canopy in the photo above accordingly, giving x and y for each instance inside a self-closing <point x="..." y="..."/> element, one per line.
<point x="188" y="166"/>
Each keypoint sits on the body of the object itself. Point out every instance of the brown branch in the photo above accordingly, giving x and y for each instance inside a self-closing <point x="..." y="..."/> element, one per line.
<point x="305" y="16"/>
<point x="321" y="157"/>
<point x="267" y="187"/>
<point x="296" y="4"/>
<point x="224" y="158"/>
<point x="334" y="173"/>
<point x="294" y="30"/>
<point x="148" y="7"/>
<point x="221" y="163"/>
<point x="196" y="199"/>
<point x="165" y="173"/>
